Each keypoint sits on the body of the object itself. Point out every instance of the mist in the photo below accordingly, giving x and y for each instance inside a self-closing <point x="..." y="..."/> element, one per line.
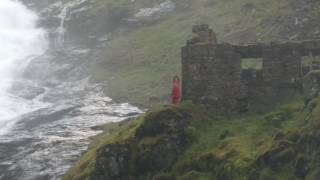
<point x="20" y="41"/>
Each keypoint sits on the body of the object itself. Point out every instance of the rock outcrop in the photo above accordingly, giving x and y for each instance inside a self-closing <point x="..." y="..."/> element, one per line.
<point x="154" y="147"/>
<point x="190" y="143"/>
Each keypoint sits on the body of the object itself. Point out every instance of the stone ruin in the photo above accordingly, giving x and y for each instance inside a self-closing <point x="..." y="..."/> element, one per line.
<point x="203" y="34"/>
<point x="212" y="74"/>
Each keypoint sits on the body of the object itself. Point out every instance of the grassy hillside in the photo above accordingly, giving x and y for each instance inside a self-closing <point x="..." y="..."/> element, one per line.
<point x="139" y="62"/>
<point x="190" y="143"/>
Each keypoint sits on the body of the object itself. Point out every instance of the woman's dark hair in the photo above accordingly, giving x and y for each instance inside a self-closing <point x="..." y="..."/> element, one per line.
<point x="176" y="78"/>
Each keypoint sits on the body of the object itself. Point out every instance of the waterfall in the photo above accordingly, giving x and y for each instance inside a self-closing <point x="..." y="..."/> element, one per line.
<point x="61" y="29"/>
<point x="20" y="41"/>
<point x="48" y="103"/>
<point x="65" y="12"/>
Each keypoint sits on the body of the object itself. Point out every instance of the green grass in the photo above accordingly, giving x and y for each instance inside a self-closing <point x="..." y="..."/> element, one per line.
<point x="138" y="64"/>
<point x="222" y="147"/>
<point x="113" y="132"/>
<point x="235" y="142"/>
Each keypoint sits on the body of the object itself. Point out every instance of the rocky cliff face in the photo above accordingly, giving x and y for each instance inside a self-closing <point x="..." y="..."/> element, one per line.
<point x="58" y="16"/>
<point x="89" y="21"/>
<point x="153" y="147"/>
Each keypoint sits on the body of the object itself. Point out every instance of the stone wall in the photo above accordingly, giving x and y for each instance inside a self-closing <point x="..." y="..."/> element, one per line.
<point x="212" y="73"/>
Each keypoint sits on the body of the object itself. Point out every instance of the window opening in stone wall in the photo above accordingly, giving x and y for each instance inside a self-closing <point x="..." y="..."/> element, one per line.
<point x="311" y="62"/>
<point x="251" y="63"/>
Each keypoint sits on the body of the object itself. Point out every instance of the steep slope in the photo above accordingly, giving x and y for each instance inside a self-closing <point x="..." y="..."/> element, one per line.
<point x="188" y="142"/>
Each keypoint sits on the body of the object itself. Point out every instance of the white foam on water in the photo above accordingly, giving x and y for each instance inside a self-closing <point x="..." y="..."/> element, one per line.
<point x="20" y="41"/>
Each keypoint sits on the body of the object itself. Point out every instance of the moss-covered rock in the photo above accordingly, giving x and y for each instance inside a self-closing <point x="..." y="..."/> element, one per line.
<point x="188" y="142"/>
<point x="153" y="147"/>
<point x="294" y="154"/>
<point x="112" y="162"/>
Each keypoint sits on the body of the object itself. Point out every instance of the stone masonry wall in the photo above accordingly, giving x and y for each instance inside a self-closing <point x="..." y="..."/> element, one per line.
<point x="212" y="73"/>
<point x="207" y="78"/>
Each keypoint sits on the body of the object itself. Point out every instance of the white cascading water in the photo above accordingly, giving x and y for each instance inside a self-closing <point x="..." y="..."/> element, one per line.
<point x="20" y="41"/>
<point x="61" y="29"/>
<point x="48" y="105"/>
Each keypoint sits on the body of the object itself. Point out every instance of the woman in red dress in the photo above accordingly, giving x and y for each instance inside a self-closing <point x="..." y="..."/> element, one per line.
<point x="176" y="91"/>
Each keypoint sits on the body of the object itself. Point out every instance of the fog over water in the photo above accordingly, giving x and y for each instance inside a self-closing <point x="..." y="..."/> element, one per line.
<point x="20" y="40"/>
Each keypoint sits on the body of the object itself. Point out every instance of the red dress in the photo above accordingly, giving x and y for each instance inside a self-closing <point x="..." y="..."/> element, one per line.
<point x="176" y="94"/>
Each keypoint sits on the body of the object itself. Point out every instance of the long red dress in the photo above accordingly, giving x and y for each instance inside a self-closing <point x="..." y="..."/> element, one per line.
<point x="176" y="94"/>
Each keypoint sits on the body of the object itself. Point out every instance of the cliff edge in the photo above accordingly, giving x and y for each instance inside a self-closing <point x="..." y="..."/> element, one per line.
<point x="190" y="143"/>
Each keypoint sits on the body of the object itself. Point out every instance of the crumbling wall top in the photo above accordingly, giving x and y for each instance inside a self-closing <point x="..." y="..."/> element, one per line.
<point x="200" y="28"/>
<point x="203" y="34"/>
